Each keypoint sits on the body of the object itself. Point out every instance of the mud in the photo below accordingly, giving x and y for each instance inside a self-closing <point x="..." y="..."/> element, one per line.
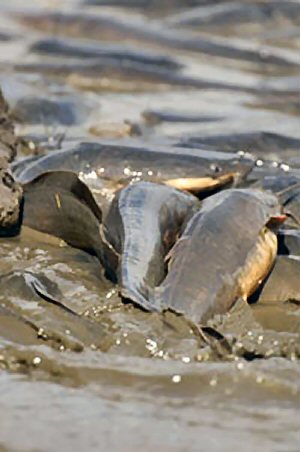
<point x="80" y="369"/>
<point x="11" y="193"/>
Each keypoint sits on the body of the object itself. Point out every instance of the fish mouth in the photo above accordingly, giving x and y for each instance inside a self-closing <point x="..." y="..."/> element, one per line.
<point x="276" y="221"/>
<point x="198" y="185"/>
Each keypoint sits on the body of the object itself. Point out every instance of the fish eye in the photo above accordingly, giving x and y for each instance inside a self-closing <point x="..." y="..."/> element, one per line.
<point x="215" y="168"/>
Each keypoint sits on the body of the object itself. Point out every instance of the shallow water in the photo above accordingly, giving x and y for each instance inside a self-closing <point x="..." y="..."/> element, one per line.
<point x="80" y="370"/>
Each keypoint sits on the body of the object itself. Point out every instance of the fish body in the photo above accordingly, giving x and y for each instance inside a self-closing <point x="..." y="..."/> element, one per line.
<point x="282" y="284"/>
<point x="224" y="253"/>
<point x="291" y="203"/>
<point x="69" y="49"/>
<point x="142" y="225"/>
<point x="124" y="162"/>
<point x="110" y="28"/>
<point x="59" y="204"/>
<point x="289" y="242"/>
<point x="256" y="142"/>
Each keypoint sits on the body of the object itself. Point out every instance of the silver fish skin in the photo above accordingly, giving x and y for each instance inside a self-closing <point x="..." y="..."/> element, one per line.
<point x="210" y="258"/>
<point x="119" y="161"/>
<point x="142" y="225"/>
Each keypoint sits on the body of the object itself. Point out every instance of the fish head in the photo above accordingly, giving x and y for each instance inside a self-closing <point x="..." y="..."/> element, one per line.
<point x="276" y="221"/>
<point x="220" y="163"/>
<point x="218" y="175"/>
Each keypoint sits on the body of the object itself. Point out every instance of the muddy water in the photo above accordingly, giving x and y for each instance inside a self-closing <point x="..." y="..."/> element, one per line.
<point x="80" y="370"/>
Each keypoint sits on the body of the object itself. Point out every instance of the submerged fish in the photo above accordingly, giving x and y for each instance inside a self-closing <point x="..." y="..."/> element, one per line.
<point x="30" y="285"/>
<point x="287" y="189"/>
<point x="156" y="5"/>
<point x="41" y="110"/>
<point x="289" y="242"/>
<point x="226" y="250"/>
<point x="256" y="142"/>
<point x="291" y="201"/>
<point x="237" y="13"/>
<point x="154" y="117"/>
<point x="118" y="75"/>
<point x="105" y="27"/>
<point x="43" y="310"/>
<point x="58" y="203"/>
<point x="142" y="225"/>
<point x="69" y="48"/>
<point x="279" y="184"/>
<point x="282" y="284"/>
<point x="125" y="162"/>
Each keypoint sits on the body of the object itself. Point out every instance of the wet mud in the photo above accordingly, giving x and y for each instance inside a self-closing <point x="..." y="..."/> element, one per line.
<point x="195" y="95"/>
<point x="10" y="191"/>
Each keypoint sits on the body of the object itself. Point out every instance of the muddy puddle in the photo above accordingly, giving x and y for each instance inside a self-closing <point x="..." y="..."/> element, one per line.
<point x="80" y="369"/>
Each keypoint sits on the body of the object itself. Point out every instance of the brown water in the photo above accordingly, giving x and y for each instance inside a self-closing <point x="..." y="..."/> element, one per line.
<point x="92" y="373"/>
